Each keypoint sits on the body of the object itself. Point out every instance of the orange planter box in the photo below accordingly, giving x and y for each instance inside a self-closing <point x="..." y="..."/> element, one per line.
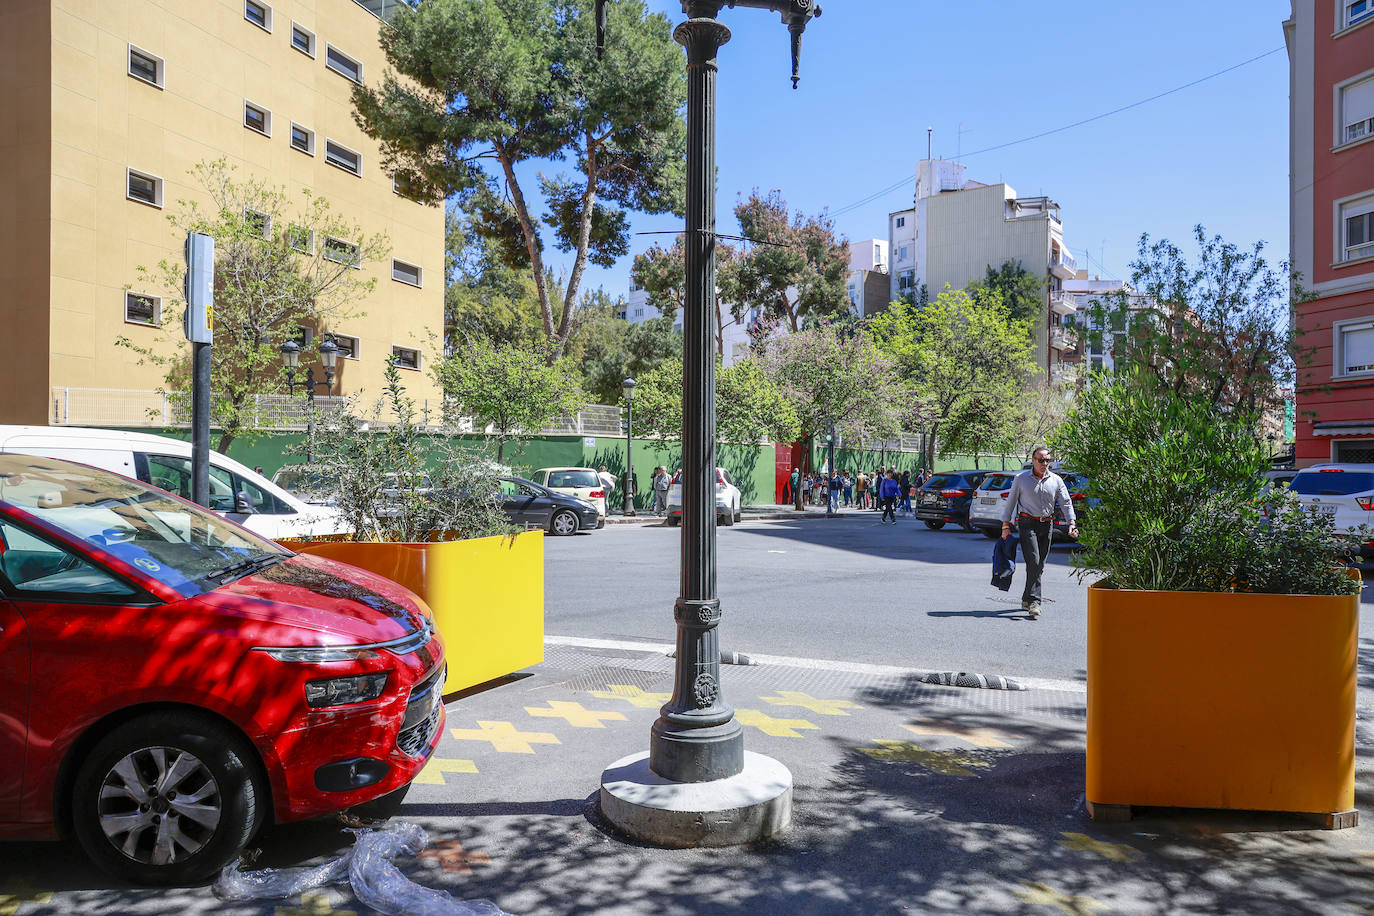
<point x="487" y="595"/>
<point x="1205" y="700"/>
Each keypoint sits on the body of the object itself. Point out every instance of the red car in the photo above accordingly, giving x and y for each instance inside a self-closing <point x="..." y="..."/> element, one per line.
<point x="170" y="681"/>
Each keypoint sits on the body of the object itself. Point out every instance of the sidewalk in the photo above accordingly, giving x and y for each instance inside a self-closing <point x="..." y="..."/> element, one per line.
<point x="759" y="513"/>
<point x="908" y="797"/>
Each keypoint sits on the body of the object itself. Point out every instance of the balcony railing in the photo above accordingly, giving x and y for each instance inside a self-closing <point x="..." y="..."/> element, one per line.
<point x="1359" y="129"/>
<point x="1063" y="303"/>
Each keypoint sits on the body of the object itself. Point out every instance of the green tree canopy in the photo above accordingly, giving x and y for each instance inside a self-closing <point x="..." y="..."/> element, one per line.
<point x="1022" y="292"/>
<point x="797" y="274"/>
<point x="662" y="274"/>
<point x="506" y="387"/>
<point x="1216" y="332"/>
<point x="606" y="348"/>
<point x="273" y="277"/>
<point x="749" y="404"/>
<point x="483" y="297"/>
<point x="510" y="81"/>
<point x="956" y="352"/>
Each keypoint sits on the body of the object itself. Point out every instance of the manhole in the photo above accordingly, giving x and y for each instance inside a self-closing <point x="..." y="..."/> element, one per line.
<point x="965" y="679"/>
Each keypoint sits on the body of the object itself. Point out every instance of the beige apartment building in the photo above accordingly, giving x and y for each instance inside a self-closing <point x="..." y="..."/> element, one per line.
<point x="959" y="227"/>
<point x="112" y="102"/>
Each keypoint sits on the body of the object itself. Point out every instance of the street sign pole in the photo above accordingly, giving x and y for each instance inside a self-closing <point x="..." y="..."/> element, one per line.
<point x="199" y="326"/>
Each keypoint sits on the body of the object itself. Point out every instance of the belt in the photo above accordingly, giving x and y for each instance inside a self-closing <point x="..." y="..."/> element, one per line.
<point x="1038" y="518"/>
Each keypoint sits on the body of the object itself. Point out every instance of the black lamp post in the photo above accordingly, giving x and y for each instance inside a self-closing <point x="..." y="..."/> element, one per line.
<point x="696" y="738"/>
<point x="291" y="356"/>
<point x="629" y="386"/>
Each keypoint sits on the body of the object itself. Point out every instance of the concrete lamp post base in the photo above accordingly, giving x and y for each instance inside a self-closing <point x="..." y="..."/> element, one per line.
<point x="751" y="805"/>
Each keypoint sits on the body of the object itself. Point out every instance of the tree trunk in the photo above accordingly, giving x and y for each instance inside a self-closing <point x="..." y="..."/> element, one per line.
<point x="584" y="235"/>
<point x="541" y="283"/>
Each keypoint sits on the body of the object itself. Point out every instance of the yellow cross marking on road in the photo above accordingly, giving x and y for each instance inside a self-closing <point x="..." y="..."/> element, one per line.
<point x="978" y="737"/>
<point x="433" y="773"/>
<point x="807" y="701"/>
<point x="313" y="905"/>
<point x="632" y="695"/>
<point x="575" y="714"/>
<point x="778" y="728"/>
<point x="950" y="763"/>
<point x="1040" y="894"/>
<point x="504" y="737"/>
<point x="18" y="893"/>
<point x="1117" y="852"/>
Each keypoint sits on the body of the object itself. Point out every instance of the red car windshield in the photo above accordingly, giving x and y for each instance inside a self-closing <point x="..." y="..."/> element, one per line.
<point x="175" y="542"/>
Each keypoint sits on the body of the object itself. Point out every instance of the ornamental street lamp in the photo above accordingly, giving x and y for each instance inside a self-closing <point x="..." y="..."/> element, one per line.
<point x="629" y="386"/>
<point x="291" y="356"/>
<point x="697" y="786"/>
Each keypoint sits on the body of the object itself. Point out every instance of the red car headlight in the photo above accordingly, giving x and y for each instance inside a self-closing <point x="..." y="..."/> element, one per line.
<point x="340" y="691"/>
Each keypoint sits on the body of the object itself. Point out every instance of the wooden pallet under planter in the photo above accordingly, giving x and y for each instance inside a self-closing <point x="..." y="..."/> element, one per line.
<point x="487" y="595"/>
<point x="1238" y="701"/>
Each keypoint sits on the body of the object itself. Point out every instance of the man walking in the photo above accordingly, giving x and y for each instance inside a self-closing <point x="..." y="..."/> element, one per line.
<point x="888" y="493"/>
<point x="1034" y="496"/>
<point x="833" y="486"/>
<point x="608" y="484"/>
<point x="661" y="484"/>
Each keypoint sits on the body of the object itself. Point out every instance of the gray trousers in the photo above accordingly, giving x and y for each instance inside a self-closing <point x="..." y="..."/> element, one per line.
<point x="1035" y="548"/>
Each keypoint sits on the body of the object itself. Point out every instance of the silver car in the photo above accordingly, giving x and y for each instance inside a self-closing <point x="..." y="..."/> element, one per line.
<point x="985" y="511"/>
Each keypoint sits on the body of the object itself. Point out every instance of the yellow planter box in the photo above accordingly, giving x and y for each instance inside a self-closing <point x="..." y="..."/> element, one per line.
<point x="1205" y="700"/>
<point x="487" y="595"/>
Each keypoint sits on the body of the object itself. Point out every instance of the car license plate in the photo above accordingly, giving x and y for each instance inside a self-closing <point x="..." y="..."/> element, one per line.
<point x="988" y="500"/>
<point x="929" y="499"/>
<point x="1322" y="510"/>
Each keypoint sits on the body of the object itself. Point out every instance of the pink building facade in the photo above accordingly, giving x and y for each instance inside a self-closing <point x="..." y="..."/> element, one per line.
<point x="1331" y="235"/>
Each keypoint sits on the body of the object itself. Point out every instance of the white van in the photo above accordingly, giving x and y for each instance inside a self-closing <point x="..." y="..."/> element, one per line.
<point x="166" y="463"/>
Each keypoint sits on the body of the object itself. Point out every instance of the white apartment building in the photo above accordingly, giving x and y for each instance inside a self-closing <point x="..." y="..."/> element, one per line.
<point x="958" y="228"/>
<point x="868" y="284"/>
<point x="636" y="308"/>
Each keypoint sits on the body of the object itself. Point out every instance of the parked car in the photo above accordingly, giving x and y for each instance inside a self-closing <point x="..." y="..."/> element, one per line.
<point x="729" y="500"/>
<point x="527" y="503"/>
<point x="946" y="498"/>
<point x="305" y="482"/>
<point x="985" y="509"/>
<point x="236" y="492"/>
<point x="1083" y="504"/>
<point x="1344" y="491"/>
<point x="191" y="680"/>
<point x="584" y="483"/>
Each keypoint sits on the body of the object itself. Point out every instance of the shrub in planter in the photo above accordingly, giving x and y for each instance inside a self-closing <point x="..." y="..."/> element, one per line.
<point x="1222" y="635"/>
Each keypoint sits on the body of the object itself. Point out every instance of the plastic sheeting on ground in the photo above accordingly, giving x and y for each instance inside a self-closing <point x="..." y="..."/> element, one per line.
<point x="369" y="867"/>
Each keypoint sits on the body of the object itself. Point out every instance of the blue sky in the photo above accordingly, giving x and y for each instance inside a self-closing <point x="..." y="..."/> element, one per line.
<point x="877" y="73"/>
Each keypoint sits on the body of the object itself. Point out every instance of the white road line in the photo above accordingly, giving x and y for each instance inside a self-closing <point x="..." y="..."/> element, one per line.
<point x="820" y="664"/>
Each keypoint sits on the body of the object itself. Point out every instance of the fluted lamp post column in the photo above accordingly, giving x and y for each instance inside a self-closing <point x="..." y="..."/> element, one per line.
<point x="696" y="785"/>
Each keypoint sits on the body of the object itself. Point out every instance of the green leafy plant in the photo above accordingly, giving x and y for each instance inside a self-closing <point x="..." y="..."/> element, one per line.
<point x="395" y="481"/>
<point x="1179" y="504"/>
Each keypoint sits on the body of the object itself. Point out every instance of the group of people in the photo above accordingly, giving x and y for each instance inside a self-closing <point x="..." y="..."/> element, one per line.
<point x="661" y="481"/>
<point x="863" y="490"/>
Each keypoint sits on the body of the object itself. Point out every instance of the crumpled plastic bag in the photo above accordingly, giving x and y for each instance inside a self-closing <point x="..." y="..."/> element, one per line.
<point x="369" y="867"/>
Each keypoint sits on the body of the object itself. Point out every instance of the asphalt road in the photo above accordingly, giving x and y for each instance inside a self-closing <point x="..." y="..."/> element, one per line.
<point x="845" y="589"/>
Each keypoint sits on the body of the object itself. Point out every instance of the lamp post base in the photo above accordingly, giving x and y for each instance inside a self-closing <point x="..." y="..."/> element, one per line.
<point x="754" y="804"/>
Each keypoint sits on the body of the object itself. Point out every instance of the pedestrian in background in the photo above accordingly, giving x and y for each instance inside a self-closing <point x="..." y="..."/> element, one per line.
<point x="861" y="490"/>
<point x="834" y="485"/>
<point x="1034" y="496"/>
<point x="904" y="501"/>
<point x="848" y="488"/>
<point x="888" y="494"/>
<point x="661" y="484"/>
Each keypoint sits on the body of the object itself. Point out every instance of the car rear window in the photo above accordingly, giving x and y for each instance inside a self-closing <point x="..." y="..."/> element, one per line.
<point x="574" y="479"/>
<point x="998" y="482"/>
<point x="940" y="481"/>
<point x="1332" y="483"/>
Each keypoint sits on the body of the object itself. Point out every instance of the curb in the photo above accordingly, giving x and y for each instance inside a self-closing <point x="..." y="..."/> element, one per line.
<point x="745" y="517"/>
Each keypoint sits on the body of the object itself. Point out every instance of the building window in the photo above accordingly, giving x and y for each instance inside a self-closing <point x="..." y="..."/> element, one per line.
<point x="341" y="252"/>
<point x="1353" y="11"/>
<point x="301" y="239"/>
<point x="406" y="357"/>
<point x="144" y="188"/>
<point x="343" y="157"/>
<point x="406" y="273"/>
<point x="906" y="280"/>
<point x="302" y="39"/>
<point x="255" y="117"/>
<point x="303" y="139"/>
<point x="342" y="64"/>
<point x="260" y="14"/>
<point x="901" y="221"/>
<point x="1353" y="451"/>
<point x="1354" y="347"/>
<point x="1355" y="105"/>
<point x="145" y="66"/>
<point x="901" y="253"/>
<point x="1356" y="230"/>
<point x="142" y="309"/>
<point x="257" y="223"/>
<point x="348" y="346"/>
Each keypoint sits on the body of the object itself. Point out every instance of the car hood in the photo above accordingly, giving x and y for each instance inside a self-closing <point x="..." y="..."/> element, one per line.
<point x="322" y="602"/>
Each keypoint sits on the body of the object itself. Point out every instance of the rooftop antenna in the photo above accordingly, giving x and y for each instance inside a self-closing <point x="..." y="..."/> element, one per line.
<point x="929" y="131"/>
